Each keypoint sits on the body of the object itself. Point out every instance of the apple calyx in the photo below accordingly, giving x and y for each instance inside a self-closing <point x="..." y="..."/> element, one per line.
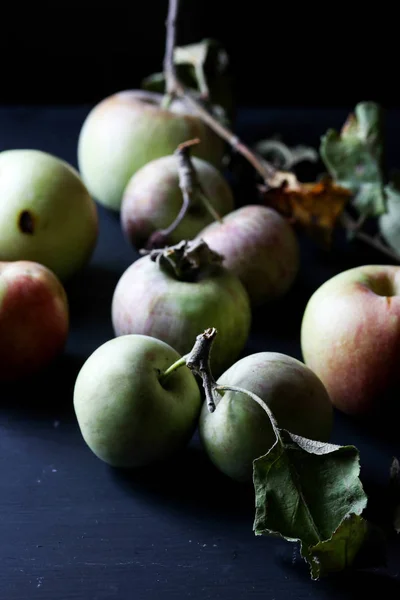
<point x="186" y="260"/>
<point x="192" y="191"/>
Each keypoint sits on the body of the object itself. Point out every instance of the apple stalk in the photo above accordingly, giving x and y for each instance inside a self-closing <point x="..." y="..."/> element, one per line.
<point x="191" y="188"/>
<point x="198" y="361"/>
<point x="272" y="177"/>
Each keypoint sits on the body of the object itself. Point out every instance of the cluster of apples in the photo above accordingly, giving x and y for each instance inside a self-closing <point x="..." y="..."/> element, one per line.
<point x="132" y="405"/>
<point x="211" y="272"/>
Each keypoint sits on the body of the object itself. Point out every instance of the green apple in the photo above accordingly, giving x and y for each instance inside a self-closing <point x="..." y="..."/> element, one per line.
<point x="350" y="336"/>
<point x="239" y="430"/>
<point x="46" y="212"/>
<point x="129" y="129"/>
<point x="129" y="416"/>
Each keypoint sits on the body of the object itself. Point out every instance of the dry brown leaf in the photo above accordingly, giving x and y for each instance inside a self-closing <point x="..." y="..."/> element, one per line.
<point x="315" y="207"/>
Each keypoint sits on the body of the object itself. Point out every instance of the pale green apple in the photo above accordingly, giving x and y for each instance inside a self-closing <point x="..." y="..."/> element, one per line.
<point x="239" y="430"/>
<point x="129" y="129"/>
<point x="46" y="212"/>
<point x="127" y="415"/>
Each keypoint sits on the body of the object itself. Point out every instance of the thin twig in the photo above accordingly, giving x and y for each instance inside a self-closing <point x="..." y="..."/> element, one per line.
<point x="169" y="63"/>
<point x="191" y="188"/>
<point x="352" y="226"/>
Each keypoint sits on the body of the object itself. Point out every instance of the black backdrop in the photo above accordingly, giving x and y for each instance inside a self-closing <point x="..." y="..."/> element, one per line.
<point x="280" y="54"/>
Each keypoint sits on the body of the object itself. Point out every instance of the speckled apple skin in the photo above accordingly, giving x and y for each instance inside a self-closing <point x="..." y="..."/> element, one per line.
<point x="150" y="301"/>
<point x="34" y="319"/>
<point x="128" y="129"/>
<point x="127" y="417"/>
<point x="350" y="336"/>
<point x="260" y="247"/>
<point x="239" y="430"/>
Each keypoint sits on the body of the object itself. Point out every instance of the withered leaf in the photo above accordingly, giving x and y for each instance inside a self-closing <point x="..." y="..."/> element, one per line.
<point x="314" y="207"/>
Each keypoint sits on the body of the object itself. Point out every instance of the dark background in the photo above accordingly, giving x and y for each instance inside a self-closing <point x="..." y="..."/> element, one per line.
<point x="280" y="54"/>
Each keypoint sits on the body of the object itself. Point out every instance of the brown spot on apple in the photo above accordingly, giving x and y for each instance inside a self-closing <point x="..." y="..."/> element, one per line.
<point x="26" y="222"/>
<point x="388" y="300"/>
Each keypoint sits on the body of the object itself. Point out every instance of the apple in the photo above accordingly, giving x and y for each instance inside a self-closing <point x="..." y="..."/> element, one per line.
<point x="350" y="335"/>
<point x="239" y="430"/>
<point x="127" y="414"/>
<point x="179" y="293"/>
<point x="152" y="201"/>
<point x="34" y="318"/>
<point x="128" y="129"/>
<point x="260" y="247"/>
<point x="46" y="212"/>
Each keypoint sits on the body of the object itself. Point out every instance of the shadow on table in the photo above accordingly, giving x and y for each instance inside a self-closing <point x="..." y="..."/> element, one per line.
<point x="190" y="484"/>
<point x="44" y="394"/>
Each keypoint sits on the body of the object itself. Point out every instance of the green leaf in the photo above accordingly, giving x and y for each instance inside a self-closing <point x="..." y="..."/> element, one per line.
<point x="354" y="157"/>
<point x="204" y="68"/>
<point x="340" y="551"/>
<point x="305" y="492"/>
<point x="389" y="222"/>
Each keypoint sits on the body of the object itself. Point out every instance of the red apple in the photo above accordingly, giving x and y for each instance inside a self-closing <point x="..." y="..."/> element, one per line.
<point x="260" y="247"/>
<point x="129" y="129"/>
<point x="350" y="336"/>
<point x="34" y="318"/>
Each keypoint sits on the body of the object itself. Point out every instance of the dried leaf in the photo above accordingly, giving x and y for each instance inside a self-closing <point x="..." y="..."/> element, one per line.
<point x="314" y="207"/>
<point x="310" y="492"/>
<point x="354" y="157"/>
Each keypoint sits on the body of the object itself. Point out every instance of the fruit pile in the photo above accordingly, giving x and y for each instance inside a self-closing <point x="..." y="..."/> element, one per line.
<point x="182" y="315"/>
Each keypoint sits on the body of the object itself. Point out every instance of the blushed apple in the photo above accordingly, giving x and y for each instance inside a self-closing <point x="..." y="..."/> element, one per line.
<point x="34" y="318"/>
<point x="46" y="212"/>
<point x="128" y="129"/>
<point x="153" y="199"/>
<point x="260" y="247"/>
<point x="179" y="292"/>
<point x="350" y="335"/>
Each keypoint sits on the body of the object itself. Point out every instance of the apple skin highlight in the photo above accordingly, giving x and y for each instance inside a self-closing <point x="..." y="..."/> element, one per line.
<point x="350" y="336"/>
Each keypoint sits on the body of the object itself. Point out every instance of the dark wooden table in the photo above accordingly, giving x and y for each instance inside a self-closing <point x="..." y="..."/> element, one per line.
<point x="73" y="528"/>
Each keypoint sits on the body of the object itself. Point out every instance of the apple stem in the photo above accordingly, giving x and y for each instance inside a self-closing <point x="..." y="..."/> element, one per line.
<point x="233" y="388"/>
<point x="181" y="362"/>
<point x="191" y="187"/>
<point x="198" y="361"/>
<point x="169" y="64"/>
